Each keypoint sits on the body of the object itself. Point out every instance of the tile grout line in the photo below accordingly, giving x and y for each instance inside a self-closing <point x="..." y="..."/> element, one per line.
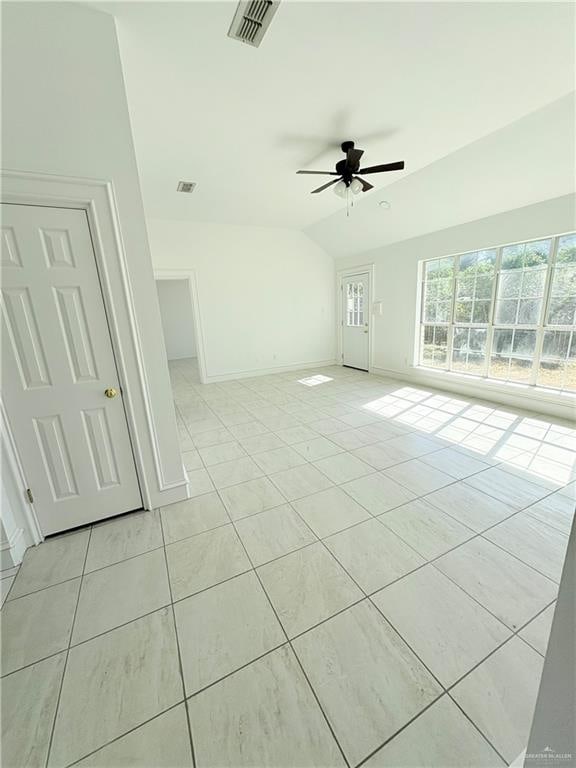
<point x="404" y="640"/>
<point x="88" y="639"/>
<point x="178" y="650"/>
<point x="474" y="599"/>
<point x="130" y="730"/>
<point x="498" y="647"/>
<point x="65" y="667"/>
<point x="445" y="689"/>
<point x="467" y="716"/>
<point x="431" y="561"/>
<point x="87" y="573"/>
<point x="317" y="624"/>
<point x="368" y="597"/>
<point x="322" y="541"/>
<point x="238" y="669"/>
<point x="254" y="569"/>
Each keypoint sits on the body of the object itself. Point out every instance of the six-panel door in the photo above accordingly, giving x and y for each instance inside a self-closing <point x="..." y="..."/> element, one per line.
<point x="57" y="362"/>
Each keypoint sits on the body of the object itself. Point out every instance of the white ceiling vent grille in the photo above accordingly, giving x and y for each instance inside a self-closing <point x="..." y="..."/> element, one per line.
<point x="186" y="186"/>
<point x="252" y="19"/>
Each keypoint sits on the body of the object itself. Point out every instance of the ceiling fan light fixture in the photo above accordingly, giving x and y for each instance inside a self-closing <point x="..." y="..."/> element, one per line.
<point x="340" y="189"/>
<point x="356" y="186"/>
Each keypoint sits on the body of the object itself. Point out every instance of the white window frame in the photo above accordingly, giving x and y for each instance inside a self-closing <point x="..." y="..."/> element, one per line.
<point x="540" y="328"/>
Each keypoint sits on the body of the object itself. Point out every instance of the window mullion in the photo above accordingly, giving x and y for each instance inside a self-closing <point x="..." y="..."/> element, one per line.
<point x="450" y="335"/>
<point x="544" y="312"/>
<point x="492" y="313"/>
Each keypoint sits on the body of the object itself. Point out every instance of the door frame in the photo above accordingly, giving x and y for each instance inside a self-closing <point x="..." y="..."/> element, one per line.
<point x="189" y="275"/>
<point x="97" y="199"/>
<point x="364" y="269"/>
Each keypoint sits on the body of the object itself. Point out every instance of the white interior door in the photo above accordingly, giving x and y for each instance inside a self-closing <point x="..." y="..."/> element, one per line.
<point x="57" y="362"/>
<point x="356" y="321"/>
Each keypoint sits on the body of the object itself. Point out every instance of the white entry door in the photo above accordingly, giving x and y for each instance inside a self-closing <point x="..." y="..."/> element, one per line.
<point x="355" y="321"/>
<point x="58" y="363"/>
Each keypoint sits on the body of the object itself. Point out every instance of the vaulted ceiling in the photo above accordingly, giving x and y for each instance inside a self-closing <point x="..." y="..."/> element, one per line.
<point x="429" y="83"/>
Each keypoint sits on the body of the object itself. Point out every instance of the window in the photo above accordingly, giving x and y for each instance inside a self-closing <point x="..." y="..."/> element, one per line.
<point x="355" y="304"/>
<point x="506" y="313"/>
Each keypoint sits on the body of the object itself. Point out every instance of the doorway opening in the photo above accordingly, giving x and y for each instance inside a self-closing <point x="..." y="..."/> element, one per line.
<point x="177" y="315"/>
<point x="181" y="325"/>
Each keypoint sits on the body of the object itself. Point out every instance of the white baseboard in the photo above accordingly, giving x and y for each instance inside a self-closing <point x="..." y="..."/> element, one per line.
<point x="561" y="405"/>
<point x="12" y="551"/>
<point x="182" y="357"/>
<point x="170" y="494"/>
<point x="267" y="371"/>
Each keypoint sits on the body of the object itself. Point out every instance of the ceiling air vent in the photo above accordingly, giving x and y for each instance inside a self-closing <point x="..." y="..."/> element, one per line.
<point x="186" y="186"/>
<point x="252" y="19"/>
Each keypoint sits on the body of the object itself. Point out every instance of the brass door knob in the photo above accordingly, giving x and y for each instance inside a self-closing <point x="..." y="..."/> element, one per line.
<point x="110" y="392"/>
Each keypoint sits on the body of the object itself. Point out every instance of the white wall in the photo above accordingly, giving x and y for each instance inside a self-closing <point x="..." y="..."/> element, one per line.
<point x="177" y="318"/>
<point x="65" y="113"/>
<point x="265" y="295"/>
<point x="524" y="163"/>
<point x="396" y="276"/>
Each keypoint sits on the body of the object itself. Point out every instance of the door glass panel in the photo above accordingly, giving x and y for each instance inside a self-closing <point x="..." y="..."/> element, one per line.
<point x="354" y="304"/>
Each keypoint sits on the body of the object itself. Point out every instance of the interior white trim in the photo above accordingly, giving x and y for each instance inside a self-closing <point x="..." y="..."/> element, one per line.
<point x="12" y="551"/>
<point x="25" y="519"/>
<point x="189" y="275"/>
<point x="361" y="269"/>
<point x="561" y="405"/>
<point x="97" y="198"/>
<point x="267" y="371"/>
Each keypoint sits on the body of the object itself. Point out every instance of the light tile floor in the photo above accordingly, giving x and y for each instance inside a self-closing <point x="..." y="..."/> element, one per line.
<point x="365" y="573"/>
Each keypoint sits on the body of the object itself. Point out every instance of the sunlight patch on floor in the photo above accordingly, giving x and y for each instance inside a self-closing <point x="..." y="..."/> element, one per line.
<point x="530" y="444"/>
<point x="314" y="381"/>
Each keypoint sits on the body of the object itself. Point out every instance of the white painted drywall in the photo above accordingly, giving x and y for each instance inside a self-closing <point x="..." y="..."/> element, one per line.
<point x="524" y="163"/>
<point x="65" y="113"/>
<point x="265" y="295"/>
<point x="177" y="318"/>
<point x="396" y="271"/>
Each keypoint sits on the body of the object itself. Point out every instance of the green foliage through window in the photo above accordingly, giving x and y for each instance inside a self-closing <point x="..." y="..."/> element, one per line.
<point x="505" y="313"/>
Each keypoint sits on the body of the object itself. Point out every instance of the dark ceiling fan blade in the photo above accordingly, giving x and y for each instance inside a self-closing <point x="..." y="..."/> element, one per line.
<point x="321" y="173"/>
<point x="365" y="185"/>
<point x="380" y="168"/>
<point x="325" y="186"/>
<point x="353" y="157"/>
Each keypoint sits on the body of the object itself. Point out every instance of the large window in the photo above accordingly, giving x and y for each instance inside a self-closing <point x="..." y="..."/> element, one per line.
<point x="505" y="313"/>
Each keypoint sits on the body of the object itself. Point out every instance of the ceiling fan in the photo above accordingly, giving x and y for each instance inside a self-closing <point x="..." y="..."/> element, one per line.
<point x="347" y="169"/>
